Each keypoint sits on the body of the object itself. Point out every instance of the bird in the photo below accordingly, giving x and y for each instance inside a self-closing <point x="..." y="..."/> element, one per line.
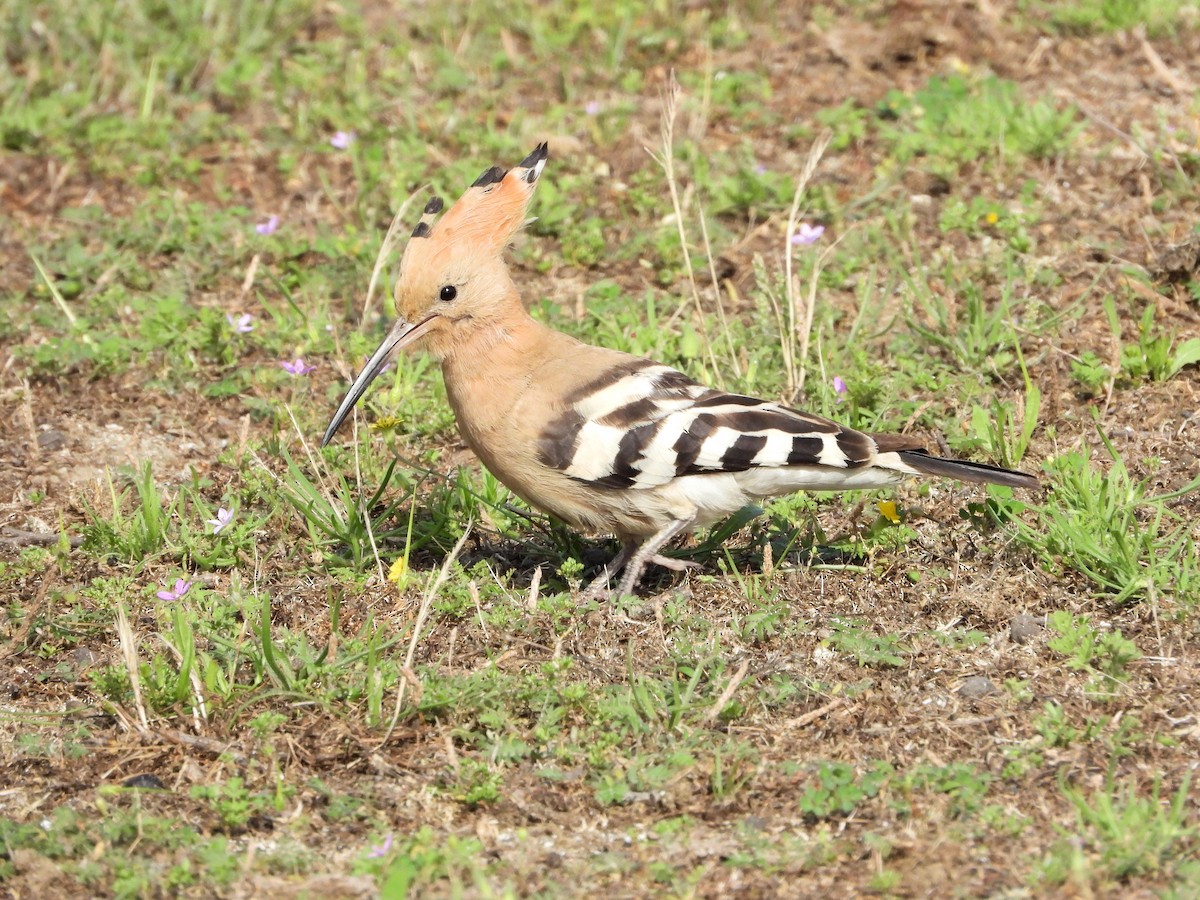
<point x="603" y="440"/>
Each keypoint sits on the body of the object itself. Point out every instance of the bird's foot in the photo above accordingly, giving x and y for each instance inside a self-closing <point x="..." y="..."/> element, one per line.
<point x="599" y="589"/>
<point x="633" y="559"/>
<point x="675" y="565"/>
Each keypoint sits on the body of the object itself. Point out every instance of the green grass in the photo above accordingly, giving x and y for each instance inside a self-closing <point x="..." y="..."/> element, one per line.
<point x="1129" y="835"/>
<point x="379" y="667"/>
<point x="1158" y="17"/>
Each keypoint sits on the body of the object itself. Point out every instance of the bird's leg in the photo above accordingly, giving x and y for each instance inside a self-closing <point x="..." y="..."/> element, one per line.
<point x="599" y="587"/>
<point x="633" y="559"/>
<point x="648" y="552"/>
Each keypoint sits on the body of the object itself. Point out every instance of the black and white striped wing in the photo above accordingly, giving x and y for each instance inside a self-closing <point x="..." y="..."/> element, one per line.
<point x="643" y="424"/>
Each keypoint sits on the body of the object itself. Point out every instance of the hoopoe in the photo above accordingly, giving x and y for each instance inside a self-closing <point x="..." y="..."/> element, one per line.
<point x="606" y="441"/>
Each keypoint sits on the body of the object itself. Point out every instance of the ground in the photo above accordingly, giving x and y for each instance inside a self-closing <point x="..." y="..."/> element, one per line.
<point x="235" y="665"/>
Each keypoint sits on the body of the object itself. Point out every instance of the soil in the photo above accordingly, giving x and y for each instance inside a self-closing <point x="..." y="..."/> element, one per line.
<point x="1115" y="220"/>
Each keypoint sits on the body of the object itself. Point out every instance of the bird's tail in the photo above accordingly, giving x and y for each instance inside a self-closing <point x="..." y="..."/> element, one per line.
<point x="921" y="463"/>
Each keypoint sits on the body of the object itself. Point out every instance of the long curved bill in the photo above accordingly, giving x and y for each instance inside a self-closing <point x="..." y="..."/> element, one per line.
<point x="401" y="335"/>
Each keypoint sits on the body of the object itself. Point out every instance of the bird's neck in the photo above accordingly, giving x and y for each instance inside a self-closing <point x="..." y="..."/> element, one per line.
<point x="493" y="347"/>
<point x="492" y="365"/>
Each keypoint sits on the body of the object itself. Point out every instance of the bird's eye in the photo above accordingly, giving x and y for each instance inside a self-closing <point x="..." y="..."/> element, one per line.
<point x="448" y="292"/>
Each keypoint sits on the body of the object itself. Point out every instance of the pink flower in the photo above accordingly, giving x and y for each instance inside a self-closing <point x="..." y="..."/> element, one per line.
<point x="268" y="227"/>
<point x="240" y="325"/>
<point x="298" y="367"/>
<point x="224" y="517"/>
<point x="807" y="234"/>
<point x="592" y="107"/>
<point x="176" y="593"/>
<point x="342" y="139"/>
<point x="382" y="849"/>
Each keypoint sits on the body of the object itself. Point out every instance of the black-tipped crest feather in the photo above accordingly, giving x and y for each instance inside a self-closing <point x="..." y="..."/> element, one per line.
<point x="490" y="177"/>
<point x="540" y="152"/>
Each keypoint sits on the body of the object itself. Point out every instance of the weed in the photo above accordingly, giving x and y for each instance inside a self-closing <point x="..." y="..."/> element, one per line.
<point x="1108" y="527"/>
<point x="976" y="336"/>
<point x="1100" y="16"/>
<point x="1057" y="729"/>
<point x="476" y="782"/>
<point x="837" y="788"/>
<point x="1108" y="653"/>
<point x="963" y="784"/>
<point x="954" y="120"/>
<point x="234" y="804"/>
<point x="848" y="122"/>
<point x="734" y="767"/>
<point x="999" y="433"/>
<point x="131" y="537"/>
<point x="1122" y="834"/>
<point x="1091" y="372"/>
<point x="426" y="859"/>
<point x="764" y="622"/>
<point x="1155" y="355"/>
<point x="855" y="638"/>
<point x="980" y="216"/>
<point x="1018" y="689"/>
<point x="340" y="519"/>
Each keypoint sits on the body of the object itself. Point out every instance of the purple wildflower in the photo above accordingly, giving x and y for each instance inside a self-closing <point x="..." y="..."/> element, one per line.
<point x="342" y="139"/>
<point x="760" y="169"/>
<point x="224" y="517"/>
<point x="297" y="367"/>
<point x="176" y="593"/>
<point x="241" y="324"/>
<point x="807" y="234"/>
<point x="382" y="849"/>
<point x="592" y="107"/>
<point x="268" y="227"/>
<point x="839" y="387"/>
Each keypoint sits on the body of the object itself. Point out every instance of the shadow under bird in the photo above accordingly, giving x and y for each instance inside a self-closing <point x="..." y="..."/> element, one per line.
<point x="606" y="441"/>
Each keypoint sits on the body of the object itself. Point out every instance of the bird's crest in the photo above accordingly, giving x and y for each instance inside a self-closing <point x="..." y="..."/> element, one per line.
<point x="483" y="220"/>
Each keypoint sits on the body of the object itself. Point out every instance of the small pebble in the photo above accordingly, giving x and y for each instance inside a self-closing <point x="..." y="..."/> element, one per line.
<point x="84" y="657"/>
<point x="51" y="440"/>
<point x="1024" y="628"/>
<point x="150" y="782"/>
<point x="976" y="686"/>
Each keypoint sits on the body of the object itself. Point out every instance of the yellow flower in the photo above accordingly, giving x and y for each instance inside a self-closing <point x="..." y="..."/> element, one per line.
<point x="385" y="423"/>
<point x="991" y="218"/>
<point x="887" y="509"/>
<point x="398" y="571"/>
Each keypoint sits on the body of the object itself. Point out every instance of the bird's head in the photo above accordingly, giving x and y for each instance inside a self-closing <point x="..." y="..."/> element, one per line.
<point x="453" y="280"/>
